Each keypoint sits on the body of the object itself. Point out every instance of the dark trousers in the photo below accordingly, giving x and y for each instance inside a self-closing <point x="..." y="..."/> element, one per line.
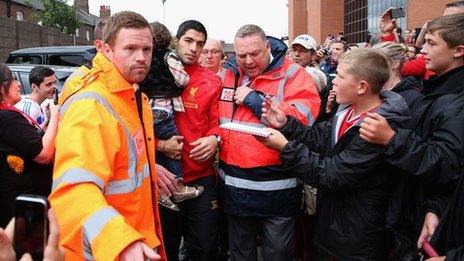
<point x="197" y="222"/>
<point x="277" y="238"/>
<point x="303" y="246"/>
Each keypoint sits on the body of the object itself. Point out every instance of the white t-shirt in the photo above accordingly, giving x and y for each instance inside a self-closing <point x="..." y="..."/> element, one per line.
<point x="33" y="109"/>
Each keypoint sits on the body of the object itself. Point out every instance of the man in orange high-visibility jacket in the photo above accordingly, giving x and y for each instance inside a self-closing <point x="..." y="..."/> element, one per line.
<point x="104" y="164"/>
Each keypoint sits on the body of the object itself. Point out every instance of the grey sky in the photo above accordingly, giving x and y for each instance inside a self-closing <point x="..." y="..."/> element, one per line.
<point x="221" y="18"/>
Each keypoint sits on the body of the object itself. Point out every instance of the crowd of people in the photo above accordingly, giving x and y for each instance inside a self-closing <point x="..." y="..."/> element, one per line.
<point x="363" y="161"/>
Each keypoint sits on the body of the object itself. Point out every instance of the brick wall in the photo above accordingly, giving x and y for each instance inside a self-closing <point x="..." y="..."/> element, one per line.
<point x="418" y="14"/>
<point x="8" y="39"/>
<point x="332" y="18"/>
<point x="16" y="35"/>
<point x="28" y="13"/>
<point x="297" y="18"/>
<point x="314" y="17"/>
<point x="3" y="8"/>
<point x="83" y="28"/>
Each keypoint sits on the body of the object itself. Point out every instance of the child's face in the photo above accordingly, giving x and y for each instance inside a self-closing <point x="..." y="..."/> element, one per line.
<point x="439" y="57"/>
<point x="345" y="85"/>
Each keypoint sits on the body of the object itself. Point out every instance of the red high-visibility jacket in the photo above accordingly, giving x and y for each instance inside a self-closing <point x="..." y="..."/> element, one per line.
<point x="294" y="91"/>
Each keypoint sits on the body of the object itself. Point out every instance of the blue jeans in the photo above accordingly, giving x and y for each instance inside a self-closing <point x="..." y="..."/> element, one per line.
<point x="165" y="128"/>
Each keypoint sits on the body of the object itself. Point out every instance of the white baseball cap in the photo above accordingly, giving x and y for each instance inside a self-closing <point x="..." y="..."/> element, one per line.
<point x="306" y="41"/>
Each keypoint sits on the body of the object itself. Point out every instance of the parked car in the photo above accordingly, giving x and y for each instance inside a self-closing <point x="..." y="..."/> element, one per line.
<point x="21" y="72"/>
<point x="54" y="55"/>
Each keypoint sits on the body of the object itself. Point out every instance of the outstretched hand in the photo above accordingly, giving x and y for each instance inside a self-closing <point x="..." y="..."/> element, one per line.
<point x="273" y="114"/>
<point x="275" y="141"/>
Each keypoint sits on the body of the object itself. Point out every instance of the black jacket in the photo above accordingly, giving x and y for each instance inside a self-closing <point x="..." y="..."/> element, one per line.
<point x="354" y="182"/>
<point x="432" y="147"/>
<point x="449" y="235"/>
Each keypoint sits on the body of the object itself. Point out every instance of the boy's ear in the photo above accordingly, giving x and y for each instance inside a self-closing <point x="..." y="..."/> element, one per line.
<point x="459" y="52"/>
<point x="363" y="87"/>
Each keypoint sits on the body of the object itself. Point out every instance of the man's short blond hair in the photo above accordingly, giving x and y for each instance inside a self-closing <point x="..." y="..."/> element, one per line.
<point x="368" y="65"/>
<point x="118" y="21"/>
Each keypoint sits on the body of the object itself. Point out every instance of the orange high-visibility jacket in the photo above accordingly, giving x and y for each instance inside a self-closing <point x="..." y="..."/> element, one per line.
<point x="104" y="168"/>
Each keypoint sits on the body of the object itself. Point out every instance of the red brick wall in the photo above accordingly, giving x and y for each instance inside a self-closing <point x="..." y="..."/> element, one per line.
<point x="314" y="19"/>
<point x="419" y="12"/>
<point x="332" y="18"/>
<point x="322" y="17"/>
<point x="297" y="18"/>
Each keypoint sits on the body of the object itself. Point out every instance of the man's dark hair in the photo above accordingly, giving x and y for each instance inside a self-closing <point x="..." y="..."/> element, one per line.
<point x="455" y="4"/>
<point x="450" y="28"/>
<point x="38" y="74"/>
<point x="191" y="24"/>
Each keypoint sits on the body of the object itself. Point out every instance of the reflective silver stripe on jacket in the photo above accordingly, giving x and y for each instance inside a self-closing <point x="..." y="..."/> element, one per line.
<point x="288" y="73"/>
<point x="127" y="185"/>
<point x="79" y="175"/>
<point x="270" y="185"/>
<point x="280" y="95"/>
<point x="94" y="225"/>
<point x="305" y="111"/>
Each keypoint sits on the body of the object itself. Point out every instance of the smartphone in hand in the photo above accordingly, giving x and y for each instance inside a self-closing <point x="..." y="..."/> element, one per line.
<point x="31" y="225"/>
<point x="396" y="13"/>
